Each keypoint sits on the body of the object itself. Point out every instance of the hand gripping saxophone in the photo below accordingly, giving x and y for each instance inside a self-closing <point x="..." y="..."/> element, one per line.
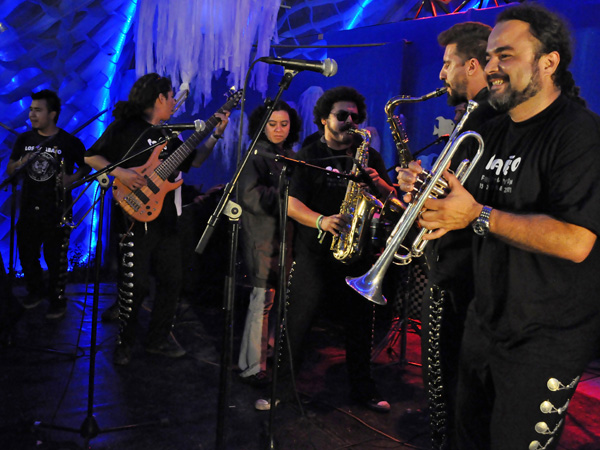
<point x="358" y="206"/>
<point x="432" y="186"/>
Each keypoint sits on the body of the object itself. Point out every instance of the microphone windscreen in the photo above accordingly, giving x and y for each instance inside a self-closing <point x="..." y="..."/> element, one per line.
<point x="330" y="67"/>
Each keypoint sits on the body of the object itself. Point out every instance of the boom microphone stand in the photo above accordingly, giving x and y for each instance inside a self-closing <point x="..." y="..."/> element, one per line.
<point x="233" y="211"/>
<point x="283" y="208"/>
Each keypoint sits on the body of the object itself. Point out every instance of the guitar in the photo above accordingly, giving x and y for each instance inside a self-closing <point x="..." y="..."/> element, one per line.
<point x="145" y="203"/>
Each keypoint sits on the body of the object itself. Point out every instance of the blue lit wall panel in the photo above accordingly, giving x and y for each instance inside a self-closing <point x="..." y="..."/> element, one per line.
<point x="72" y="47"/>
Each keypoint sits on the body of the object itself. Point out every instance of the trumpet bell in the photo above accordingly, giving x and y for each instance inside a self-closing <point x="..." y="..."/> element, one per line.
<point x="368" y="287"/>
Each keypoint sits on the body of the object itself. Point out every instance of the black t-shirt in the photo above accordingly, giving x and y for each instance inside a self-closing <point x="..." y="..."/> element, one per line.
<point x="127" y="137"/>
<point x="39" y="192"/>
<point x="324" y="193"/>
<point x="547" y="165"/>
<point x="450" y="257"/>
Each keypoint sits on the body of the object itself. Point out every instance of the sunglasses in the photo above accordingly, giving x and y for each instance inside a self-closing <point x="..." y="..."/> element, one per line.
<point x="343" y="115"/>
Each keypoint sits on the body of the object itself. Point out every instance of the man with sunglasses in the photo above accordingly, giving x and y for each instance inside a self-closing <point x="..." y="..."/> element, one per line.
<point x="317" y="279"/>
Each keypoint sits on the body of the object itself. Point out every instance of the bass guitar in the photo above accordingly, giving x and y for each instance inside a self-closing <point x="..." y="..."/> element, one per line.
<point x="145" y="203"/>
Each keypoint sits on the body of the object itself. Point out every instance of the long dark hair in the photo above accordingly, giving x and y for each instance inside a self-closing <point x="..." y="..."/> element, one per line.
<point x="553" y="34"/>
<point x="142" y="96"/>
<point x="295" y="122"/>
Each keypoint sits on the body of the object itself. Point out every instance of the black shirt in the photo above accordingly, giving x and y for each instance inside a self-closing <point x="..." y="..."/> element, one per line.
<point x="450" y="257"/>
<point x="39" y="191"/>
<point x="129" y="137"/>
<point x="324" y="193"/>
<point x="548" y="164"/>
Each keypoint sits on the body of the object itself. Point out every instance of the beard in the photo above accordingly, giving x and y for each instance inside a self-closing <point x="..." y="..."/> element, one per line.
<point x="339" y="136"/>
<point x="457" y="93"/>
<point x="509" y="99"/>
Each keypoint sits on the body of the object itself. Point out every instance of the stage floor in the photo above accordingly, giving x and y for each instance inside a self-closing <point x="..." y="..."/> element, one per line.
<point x="46" y="388"/>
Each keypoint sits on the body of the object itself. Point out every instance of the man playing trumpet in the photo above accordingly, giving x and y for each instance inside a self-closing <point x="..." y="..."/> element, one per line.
<point x="534" y="206"/>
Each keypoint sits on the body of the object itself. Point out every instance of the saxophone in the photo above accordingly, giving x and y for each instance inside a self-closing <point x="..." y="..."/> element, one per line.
<point x="393" y="207"/>
<point x="358" y="205"/>
<point x="396" y="126"/>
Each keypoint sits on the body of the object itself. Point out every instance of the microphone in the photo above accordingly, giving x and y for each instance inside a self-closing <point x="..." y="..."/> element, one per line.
<point x="327" y="67"/>
<point x="198" y="125"/>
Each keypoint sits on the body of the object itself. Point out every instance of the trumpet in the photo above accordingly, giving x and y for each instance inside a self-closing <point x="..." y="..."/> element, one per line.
<point x="433" y="186"/>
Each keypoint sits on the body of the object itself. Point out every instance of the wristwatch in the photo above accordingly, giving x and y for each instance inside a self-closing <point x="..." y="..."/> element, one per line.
<point x="481" y="225"/>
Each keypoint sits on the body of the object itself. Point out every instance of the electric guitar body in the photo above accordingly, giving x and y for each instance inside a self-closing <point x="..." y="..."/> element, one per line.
<point x="145" y="204"/>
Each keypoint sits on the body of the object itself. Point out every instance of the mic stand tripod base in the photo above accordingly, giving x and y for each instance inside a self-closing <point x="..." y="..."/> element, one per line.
<point x="89" y="428"/>
<point x="399" y="329"/>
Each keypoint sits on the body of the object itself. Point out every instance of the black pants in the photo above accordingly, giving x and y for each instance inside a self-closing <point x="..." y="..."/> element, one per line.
<point x="312" y="282"/>
<point x="149" y="249"/>
<point x="33" y="234"/>
<point x="10" y="310"/>
<point x="512" y="398"/>
<point x="443" y="314"/>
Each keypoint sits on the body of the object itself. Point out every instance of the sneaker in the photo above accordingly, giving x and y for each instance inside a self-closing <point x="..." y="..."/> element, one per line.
<point x="57" y="309"/>
<point x="31" y="301"/>
<point x="168" y="348"/>
<point x="111" y="314"/>
<point x="264" y="404"/>
<point x="258" y="380"/>
<point x="368" y="396"/>
<point x="377" y="405"/>
<point x="122" y="355"/>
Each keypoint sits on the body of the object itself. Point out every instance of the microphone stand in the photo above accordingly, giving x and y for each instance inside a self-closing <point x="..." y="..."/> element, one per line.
<point x="284" y="185"/>
<point x="233" y="211"/>
<point x="13" y="217"/>
<point x="89" y="429"/>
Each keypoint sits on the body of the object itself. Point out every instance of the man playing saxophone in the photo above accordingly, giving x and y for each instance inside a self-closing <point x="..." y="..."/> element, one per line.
<point x="318" y="279"/>
<point x="450" y="276"/>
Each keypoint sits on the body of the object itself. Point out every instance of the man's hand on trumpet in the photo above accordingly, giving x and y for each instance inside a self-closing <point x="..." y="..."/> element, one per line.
<point x="453" y="212"/>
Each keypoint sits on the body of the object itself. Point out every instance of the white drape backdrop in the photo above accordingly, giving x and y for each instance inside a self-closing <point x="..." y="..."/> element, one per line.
<point x="193" y="40"/>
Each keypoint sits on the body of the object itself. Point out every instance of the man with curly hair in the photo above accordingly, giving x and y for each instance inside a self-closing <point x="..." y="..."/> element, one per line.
<point x="317" y="278"/>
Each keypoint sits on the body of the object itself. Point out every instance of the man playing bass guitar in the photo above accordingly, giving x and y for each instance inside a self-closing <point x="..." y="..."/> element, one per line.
<point x="149" y="246"/>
